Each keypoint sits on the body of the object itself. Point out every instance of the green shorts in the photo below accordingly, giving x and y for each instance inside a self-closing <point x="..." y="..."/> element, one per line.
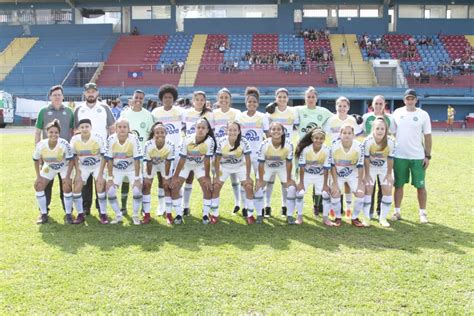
<point x="404" y="167"/>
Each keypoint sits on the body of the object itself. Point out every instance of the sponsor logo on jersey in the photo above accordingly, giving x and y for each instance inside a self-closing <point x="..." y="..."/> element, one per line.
<point x="122" y="165"/>
<point x="314" y="170"/>
<point x="137" y="133"/>
<point x="276" y="164"/>
<point x="309" y="127"/>
<point x="56" y="166"/>
<point x="377" y="163"/>
<point x="170" y="130"/>
<point x="195" y="159"/>
<point x="192" y="130"/>
<point x="220" y="133"/>
<point x="231" y="161"/>
<point x="91" y="161"/>
<point x="252" y="136"/>
<point x="345" y="172"/>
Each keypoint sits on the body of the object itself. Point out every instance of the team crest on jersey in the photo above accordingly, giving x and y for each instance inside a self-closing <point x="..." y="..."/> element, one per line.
<point x="320" y="117"/>
<point x="50" y="113"/>
<point x="415" y="118"/>
<point x="142" y="125"/>
<point x="99" y="110"/>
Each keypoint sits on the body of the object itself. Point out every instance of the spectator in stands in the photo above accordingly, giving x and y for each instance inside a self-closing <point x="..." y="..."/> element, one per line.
<point x="235" y="65"/>
<point x="422" y="41"/>
<point x="326" y="33"/>
<point x="429" y="41"/>
<point x="303" y="67"/>
<point x="103" y="123"/>
<point x="54" y="110"/>
<point x="180" y="65"/>
<point x="222" y="48"/>
<point x="424" y="76"/>
<point x="417" y="76"/>
<point x="135" y="31"/>
<point x="411" y="51"/>
<point x="174" y="67"/>
<point x="343" y="50"/>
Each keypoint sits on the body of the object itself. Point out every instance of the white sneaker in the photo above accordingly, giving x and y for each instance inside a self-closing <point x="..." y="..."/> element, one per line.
<point x="384" y="223"/>
<point x="366" y="222"/>
<point x="117" y="220"/>
<point x="423" y="218"/>
<point x="136" y="220"/>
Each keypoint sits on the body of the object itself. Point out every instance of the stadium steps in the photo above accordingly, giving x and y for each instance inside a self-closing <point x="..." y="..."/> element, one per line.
<point x="470" y="39"/>
<point x="14" y="53"/>
<point x="361" y="73"/>
<point x="191" y="66"/>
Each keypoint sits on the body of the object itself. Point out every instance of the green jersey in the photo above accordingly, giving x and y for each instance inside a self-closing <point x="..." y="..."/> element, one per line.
<point x="310" y="118"/>
<point x="369" y="120"/>
<point x="140" y="123"/>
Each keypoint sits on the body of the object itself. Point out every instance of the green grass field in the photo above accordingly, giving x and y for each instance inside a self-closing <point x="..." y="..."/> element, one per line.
<point x="238" y="269"/>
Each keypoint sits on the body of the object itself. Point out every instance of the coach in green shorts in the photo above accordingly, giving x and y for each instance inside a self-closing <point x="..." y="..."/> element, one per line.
<point x="413" y="152"/>
<point x="312" y="116"/>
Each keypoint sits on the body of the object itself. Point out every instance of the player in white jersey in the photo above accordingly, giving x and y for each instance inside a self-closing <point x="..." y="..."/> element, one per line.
<point x="89" y="150"/>
<point x="333" y="128"/>
<point x="124" y="154"/>
<point x="195" y="156"/>
<point x="255" y="127"/>
<point x="276" y="159"/>
<point x="233" y="158"/>
<point x="159" y="154"/>
<point x="347" y="160"/>
<point x="314" y="163"/>
<point x="223" y="115"/>
<point x="281" y="113"/>
<point x="172" y="117"/>
<point x="57" y="157"/>
<point x="379" y="150"/>
<point x="191" y="116"/>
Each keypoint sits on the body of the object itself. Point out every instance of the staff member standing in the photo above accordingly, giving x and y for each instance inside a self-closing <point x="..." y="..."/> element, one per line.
<point x="102" y="121"/>
<point x="54" y="110"/>
<point x="413" y="153"/>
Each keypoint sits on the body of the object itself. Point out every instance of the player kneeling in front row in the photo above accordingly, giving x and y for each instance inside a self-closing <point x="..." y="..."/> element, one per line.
<point x="159" y="155"/>
<point x="379" y="151"/>
<point x="314" y="162"/>
<point x="89" y="150"/>
<point x="195" y="155"/>
<point x="124" y="155"/>
<point x="233" y="158"/>
<point x="275" y="159"/>
<point x="347" y="167"/>
<point x="57" y="156"/>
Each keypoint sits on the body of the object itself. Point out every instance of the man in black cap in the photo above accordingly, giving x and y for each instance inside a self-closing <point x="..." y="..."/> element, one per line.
<point x="102" y="123"/>
<point x="413" y="152"/>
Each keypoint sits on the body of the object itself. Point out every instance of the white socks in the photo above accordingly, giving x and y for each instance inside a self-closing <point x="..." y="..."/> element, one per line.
<point x="41" y="199"/>
<point x="68" y="202"/>
<point x="187" y="194"/>
<point x="385" y="206"/>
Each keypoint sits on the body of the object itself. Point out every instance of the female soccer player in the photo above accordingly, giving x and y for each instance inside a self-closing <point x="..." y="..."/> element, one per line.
<point x="57" y="157"/>
<point x="172" y="118"/>
<point x="288" y="117"/>
<point x="379" y="153"/>
<point x="89" y="150"/>
<point x="347" y="162"/>
<point x="195" y="156"/>
<point x="223" y="115"/>
<point x="276" y="159"/>
<point x="333" y="128"/>
<point x="233" y="158"/>
<point x="254" y="126"/>
<point x="310" y="116"/>
<point x="378" y="104"/>
<point x="190" y="118"/>
<point x="314" y="162"/>
<point x="159" y="154"/>
<point x="124" y="155"/>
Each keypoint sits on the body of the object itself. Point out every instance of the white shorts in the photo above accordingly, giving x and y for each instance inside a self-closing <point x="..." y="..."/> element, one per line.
<point x="381" y="173"/>
<point x="240" y="174"/>
<point x="269" y="175"/>
<point x="49" y="173"/>
<point x="199" y="171"/>
<point x="86" y="172"/>
<point x="317" y="182"/>
<point x="351" y="181"/>
<point x="154" y="170"/>
<point x="120" y="177"/>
